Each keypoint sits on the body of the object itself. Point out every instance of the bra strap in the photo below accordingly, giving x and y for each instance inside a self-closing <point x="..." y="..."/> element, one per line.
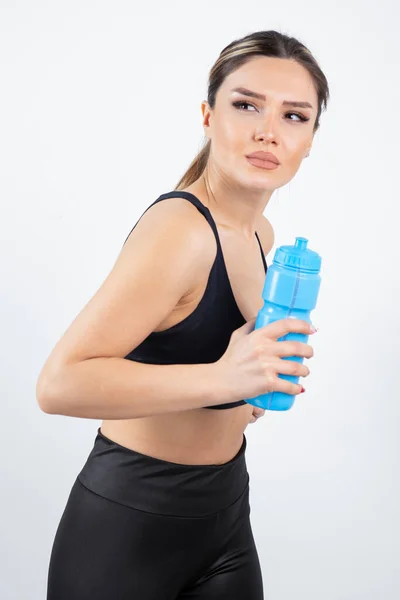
<point x="262" y="253"/>
<point x="204" y="211"/>
<point x="200" y="207"/>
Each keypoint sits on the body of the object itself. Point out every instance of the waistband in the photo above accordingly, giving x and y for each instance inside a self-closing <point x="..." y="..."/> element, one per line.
<point x="159" y="486"/>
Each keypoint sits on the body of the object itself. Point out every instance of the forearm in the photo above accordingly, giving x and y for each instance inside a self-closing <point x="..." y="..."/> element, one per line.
<point x="117" y="388"/>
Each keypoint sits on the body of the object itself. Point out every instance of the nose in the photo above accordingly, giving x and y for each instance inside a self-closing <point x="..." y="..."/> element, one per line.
<point x="267" y="133"/>
<point x="266" y="136"/>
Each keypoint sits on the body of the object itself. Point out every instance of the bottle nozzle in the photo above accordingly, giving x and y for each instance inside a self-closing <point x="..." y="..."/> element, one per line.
<point x="301" y="243"/>
<point x="298" y="257"/>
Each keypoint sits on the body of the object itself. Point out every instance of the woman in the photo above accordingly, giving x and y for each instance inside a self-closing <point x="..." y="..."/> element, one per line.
<point x="160" y="509"/>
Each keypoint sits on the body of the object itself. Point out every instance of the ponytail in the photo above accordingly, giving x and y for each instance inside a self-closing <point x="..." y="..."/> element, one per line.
<point x="196" y="168"/>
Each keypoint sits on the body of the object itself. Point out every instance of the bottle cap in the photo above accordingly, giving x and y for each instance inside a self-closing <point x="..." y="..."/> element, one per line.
<point x="298" y="257"/>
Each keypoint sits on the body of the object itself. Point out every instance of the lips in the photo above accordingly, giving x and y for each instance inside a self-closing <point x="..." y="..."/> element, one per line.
<point x="265" y="156"/>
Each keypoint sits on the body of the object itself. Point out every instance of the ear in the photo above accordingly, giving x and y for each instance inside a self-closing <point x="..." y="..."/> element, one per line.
<point x="308" y="150"/>
<point x="206" y="112"/>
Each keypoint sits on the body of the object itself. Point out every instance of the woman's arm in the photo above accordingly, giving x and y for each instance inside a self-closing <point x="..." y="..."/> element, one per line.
<point x="86" y="374"/>
<point x="115" y="388"/>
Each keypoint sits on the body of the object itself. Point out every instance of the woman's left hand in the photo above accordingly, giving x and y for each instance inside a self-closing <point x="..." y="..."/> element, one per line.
<point x="257" y="413"/>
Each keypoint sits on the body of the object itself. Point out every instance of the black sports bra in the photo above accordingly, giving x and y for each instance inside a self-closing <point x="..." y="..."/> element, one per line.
<point x="204" y="335"/>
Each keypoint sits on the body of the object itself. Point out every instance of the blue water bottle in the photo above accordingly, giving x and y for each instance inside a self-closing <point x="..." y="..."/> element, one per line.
<point x="290" y="290"/>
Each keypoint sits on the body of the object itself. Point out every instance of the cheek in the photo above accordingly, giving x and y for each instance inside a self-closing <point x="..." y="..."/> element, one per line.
<point x="290" y="168"/>
<point x="229" y="137"/>
<point x="295" y="161"/>
<point x="297" y="145"/>
<point x="296" y="151"/>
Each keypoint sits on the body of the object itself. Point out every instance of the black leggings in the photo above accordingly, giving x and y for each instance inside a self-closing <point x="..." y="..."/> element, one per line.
<point x="140" y="528"/>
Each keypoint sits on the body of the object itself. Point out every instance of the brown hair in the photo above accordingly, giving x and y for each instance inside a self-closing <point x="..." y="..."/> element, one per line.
<point x="237" y="53"/>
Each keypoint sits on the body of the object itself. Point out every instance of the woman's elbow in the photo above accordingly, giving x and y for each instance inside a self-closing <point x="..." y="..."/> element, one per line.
<point x="45" y="397"/>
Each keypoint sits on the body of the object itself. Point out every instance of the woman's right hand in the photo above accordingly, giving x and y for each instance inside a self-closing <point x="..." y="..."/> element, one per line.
<point x="253" y="359"/>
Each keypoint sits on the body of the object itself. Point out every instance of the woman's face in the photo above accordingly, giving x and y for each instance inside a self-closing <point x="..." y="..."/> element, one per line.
<point x="241" y="124"/>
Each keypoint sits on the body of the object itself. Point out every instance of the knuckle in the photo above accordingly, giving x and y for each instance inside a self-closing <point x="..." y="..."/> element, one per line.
<point x="258" y="351"/>
<point x="297" y="368"/>
<point x="270" y="379"/>
<point x="297" y="348"/>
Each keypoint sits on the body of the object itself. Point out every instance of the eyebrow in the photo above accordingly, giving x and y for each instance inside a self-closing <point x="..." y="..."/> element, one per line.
<point x="250" y="94"/>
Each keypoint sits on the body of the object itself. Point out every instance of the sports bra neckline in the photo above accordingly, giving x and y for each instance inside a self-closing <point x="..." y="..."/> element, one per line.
<point x="200" y="205"/>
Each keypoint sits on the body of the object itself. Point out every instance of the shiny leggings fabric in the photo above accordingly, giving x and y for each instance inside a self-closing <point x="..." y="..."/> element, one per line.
<point x="140" y="528"/>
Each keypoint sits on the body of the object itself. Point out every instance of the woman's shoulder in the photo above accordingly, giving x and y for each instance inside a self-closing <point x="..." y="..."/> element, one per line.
<point x="176" y="217"/>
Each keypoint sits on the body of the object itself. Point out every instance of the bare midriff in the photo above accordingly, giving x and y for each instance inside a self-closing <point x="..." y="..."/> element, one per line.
<point x="199" y="436"/>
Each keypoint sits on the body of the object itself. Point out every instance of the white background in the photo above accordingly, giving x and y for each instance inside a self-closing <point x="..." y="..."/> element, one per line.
<point x="88" y="90"/>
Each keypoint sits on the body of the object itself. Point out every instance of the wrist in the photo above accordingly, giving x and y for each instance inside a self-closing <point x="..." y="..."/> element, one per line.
<point x="222" y="391"/>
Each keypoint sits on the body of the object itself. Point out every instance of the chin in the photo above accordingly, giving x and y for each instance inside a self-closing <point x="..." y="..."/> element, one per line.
<point x="266" y="183"/>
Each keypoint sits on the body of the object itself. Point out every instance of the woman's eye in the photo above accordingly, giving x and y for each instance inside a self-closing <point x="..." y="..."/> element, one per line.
<point x="246" y="106"/>
<point x="241" y="104"/>
<point x="299" y="117"/>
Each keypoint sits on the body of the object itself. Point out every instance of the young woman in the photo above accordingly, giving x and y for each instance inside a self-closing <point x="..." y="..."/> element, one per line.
<point x="166" y="352"/>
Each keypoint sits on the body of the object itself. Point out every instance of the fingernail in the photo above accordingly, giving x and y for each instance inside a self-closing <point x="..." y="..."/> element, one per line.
<point x="302" y="390"/>
<point x="313" y="328"/>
